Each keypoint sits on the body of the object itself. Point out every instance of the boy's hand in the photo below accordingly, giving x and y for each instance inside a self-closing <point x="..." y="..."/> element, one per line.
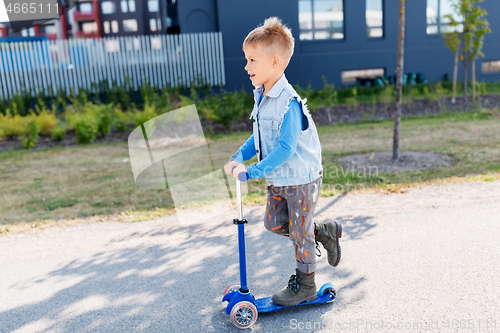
<point x="228" y="167"/>
<point x="239" y="168"/>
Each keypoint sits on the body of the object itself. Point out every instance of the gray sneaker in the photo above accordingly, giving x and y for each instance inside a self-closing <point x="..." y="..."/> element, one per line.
<point x="301" y="288"/>
<point x="328" y="234"/>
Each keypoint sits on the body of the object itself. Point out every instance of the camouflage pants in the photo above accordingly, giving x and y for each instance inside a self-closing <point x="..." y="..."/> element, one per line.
<point x="289" y="212"/>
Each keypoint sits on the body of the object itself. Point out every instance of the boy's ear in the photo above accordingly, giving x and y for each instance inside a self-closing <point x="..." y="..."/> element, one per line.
<point x="276" y="60"/>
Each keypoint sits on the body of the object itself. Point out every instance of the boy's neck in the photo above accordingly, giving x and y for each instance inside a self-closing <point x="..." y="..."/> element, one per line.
<point x="273" y="80"/>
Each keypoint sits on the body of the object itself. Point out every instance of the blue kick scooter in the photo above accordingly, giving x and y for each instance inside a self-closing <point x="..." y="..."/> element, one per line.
<point x="243" y="308"/>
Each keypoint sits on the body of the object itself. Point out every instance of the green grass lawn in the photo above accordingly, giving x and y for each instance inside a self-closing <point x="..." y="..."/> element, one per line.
<point x="46" y="185"/>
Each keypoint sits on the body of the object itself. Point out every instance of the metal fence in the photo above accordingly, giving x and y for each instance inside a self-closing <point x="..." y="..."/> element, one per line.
<point x="45" y="66"/>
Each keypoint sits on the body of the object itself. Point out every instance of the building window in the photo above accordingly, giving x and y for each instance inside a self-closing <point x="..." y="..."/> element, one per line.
<point x="86" y="7"/>
<point x="50" y="29"/>
<point x="436" y="22"/>
<point x="153" y="6"/>
<point x="105" y="25"/>
<point x="89" y="27"/>
<point x="152" y="24"/>
<point x="130" y="25"/>
<point x="375" y="18"/>
<point x="155" y="24"/>
<point x="108" y="7"/>
<point x="491" y="66"/>
<point x="131" y="5"/>
<point x="28" y="32"/>
<point x="124" y="6"/>
<point x="114" y="26"/>
<point x="351" y="76"/>
<point x="321" y="19"/>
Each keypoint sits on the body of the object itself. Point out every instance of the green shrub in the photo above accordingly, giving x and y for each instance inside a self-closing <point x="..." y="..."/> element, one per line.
<point x="40" y="104"/>
<point x="46" y="121"/>
<point x="352" y="100"/>
<point x="481" y="88"/>
<point x="308" y="92"/>
<point x="387" y="95"/>
<point x="104" y="116"/>
<point x="3" y="107"/>
<point x="86" y="127"/>
<point x="122" y="119"/>
<point x="226" y="108"/>
<point x="78" y="100"/>
<point x="186" y="101"/>
<point x="328" y="94"/>
<point x="120" y="95"/>
<point x="20" y="102"/>
<point x="30" y="133"/>
<point x="61" y="98"/>
<point x="148" y="113"/>
<point x="58" y="133"/>
<point x="148" y="93"/>
<point x="166" y="101"/>
<point x="11" y="125"/>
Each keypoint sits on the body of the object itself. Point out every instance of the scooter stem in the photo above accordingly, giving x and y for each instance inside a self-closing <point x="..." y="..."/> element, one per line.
<point x="239" y="200"/>
<point x="241" y="239"/>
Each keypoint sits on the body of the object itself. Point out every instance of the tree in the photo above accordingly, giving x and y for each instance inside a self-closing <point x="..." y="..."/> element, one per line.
<point x="399" y="82"/>
<point x="452" y="40"/>
<point x="478" y="27"/>
<point x="469" y="31"/>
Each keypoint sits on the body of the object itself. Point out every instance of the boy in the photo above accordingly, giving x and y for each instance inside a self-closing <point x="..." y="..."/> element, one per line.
<point x="289" y="154"/>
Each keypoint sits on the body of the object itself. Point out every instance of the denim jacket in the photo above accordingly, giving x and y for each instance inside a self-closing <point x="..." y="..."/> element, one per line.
<point x="305" y="164"/>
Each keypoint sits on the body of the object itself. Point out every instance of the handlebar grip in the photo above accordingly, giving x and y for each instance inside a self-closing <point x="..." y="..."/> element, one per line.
<point x="242" y="176"/>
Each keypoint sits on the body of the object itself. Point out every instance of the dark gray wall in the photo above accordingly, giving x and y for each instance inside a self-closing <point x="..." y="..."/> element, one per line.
<point x="197" y="16"/>
<point x="313" y="59"/>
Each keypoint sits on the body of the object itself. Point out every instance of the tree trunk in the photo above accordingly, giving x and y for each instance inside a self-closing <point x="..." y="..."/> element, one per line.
<point x="455" y="74"/>
<point x="399" y="83"/>
<point x="465" y="72"/>
<point x="473" y="70"/>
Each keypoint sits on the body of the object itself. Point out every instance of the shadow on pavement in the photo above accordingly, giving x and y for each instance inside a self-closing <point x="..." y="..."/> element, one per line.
<point x="174" y="282"/>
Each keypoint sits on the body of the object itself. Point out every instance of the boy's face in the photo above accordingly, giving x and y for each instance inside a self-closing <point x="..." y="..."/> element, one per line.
<point x="261" y="67"/>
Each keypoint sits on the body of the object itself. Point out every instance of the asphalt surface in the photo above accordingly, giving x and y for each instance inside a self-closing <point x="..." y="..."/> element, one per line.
<point x="411" y="262"/>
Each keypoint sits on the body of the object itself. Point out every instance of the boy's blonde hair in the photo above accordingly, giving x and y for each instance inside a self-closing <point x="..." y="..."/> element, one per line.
<point x="274" y="38"/>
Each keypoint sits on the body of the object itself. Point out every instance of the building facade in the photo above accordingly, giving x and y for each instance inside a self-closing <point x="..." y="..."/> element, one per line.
<point x="107" y="18"/>
<point x="343" y="39"/>
<point x="338" y="39"/>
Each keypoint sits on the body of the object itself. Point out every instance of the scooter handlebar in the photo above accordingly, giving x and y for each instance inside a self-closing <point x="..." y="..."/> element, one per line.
<point x="242" y="176"/>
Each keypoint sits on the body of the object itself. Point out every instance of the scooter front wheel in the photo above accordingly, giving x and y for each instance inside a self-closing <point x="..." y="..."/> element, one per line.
<point x="244" y="314"/>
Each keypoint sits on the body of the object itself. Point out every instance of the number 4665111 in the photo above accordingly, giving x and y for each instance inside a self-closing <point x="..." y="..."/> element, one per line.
<point x="32" y="8"/>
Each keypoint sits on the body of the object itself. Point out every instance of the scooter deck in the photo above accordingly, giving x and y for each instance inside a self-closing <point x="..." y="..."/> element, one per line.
<point x="267" y="305"/>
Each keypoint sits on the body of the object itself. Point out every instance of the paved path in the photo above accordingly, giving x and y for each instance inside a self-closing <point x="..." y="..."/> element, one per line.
<point x="428" y="259"/>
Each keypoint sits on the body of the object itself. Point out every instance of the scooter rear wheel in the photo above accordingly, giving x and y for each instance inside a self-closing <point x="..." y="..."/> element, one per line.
<point x="231" y="288"/>
<point x="327" y="287"/>
<point x="244" y="314"/>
